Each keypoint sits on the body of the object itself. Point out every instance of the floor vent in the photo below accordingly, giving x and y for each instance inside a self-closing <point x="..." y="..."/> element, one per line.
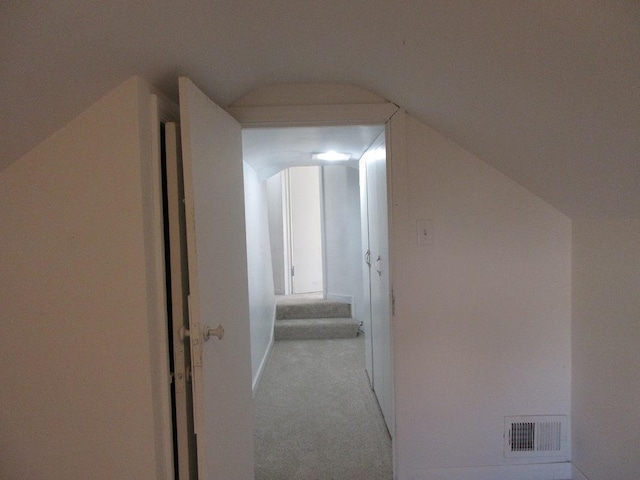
<point x="535" y="436"/>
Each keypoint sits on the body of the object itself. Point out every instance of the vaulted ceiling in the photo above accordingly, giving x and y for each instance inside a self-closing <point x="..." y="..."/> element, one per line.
<point x="548" y="92"/>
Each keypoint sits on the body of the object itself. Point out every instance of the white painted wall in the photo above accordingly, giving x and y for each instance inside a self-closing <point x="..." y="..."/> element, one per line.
<point x="276" y="231"/>
<point x="260" y="274"/>
<point x="341" y="223"/>
<point x="78" y="335"/>
<point x="606" y="348"/>
<point x="483" y="315"/>
<point x="481" y="327"/>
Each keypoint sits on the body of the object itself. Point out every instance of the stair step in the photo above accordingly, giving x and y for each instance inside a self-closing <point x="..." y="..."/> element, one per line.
<point x="315" y="328"/>
<point x="314" y="309"/>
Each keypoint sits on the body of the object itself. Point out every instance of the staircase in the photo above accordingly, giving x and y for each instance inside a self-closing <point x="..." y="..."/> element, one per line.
<point x="300" y="317"/>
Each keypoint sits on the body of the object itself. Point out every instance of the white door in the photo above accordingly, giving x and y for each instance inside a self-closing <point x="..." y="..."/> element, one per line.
<point x="376" y="186"/>
<point x="381" y="294"/>
<point x="216" y="244"/>
<point x="305" y="229"/>
<point x="366" y="268"/>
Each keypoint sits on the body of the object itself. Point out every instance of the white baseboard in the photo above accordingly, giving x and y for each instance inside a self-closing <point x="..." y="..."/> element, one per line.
<point x="576" y="474"/>
<point x="542" y="471"/>
<point x="256" y="380"/>
<point x="265" y="357"/>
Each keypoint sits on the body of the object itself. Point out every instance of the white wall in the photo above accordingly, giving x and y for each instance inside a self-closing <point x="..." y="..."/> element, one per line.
<point x="260" y="274"/>
<point x="276" y="229"/>
<point x="482" y="325"/>
<point x="483" y="315"/>
<point x="341" y="223"/>
<point x="76" y="331"/>
<point x="606" y="348"/>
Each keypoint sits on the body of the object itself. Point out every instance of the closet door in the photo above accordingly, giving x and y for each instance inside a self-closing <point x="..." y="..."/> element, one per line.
<point x="379" y="277"/>
<point x="365" y="310"/>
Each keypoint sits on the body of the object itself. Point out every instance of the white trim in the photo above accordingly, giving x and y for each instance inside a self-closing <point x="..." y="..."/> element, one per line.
<point x="388" y="114"/>
<point x="576" y="474"/>
<point x="308" y="94"/>
<point x="266" y="355"/>
<point x="159" y="320"/>
<point x="397" y="211"/>
<point x="323" y="231"/>
<point x="286" y="232"/>
<point x="541" y="471"/>
<point x="300" y="115"/>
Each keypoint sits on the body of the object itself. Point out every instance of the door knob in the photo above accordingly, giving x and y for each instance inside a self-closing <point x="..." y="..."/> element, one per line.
<point x="209" y="332"/>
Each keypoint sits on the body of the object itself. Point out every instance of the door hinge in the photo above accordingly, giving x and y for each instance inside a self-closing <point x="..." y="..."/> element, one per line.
<point x="393" y="303"/>
<point x="194" y="337"/>
<point x="293" y="271"/>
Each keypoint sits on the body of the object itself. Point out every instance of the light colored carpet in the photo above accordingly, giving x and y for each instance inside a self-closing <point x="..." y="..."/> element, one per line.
<point x="294" y="307"/>
<point x="309" y="317"/>
<point x="316" y="416"/>
<point x="315" y="328"/>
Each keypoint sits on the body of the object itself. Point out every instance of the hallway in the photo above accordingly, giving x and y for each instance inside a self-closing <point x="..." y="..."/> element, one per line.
<point x="316" y="416"/>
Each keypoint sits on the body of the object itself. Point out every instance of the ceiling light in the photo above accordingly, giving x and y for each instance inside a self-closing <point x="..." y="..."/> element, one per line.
<point x="331" y="156"/>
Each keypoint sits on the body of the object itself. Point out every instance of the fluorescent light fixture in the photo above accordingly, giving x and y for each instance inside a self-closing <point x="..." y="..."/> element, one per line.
<point x="331" y="156"/>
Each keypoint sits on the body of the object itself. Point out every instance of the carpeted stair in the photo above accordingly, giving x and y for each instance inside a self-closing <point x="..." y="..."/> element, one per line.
<point x="303" y="318"/>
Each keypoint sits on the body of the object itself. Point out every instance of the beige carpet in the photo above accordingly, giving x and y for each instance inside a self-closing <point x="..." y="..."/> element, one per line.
<point x="316" y="416"/>
<point x="309" y="317"/>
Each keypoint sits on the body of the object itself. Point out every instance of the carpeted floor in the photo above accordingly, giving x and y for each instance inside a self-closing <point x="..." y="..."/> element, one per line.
<point x="316" y="416"/>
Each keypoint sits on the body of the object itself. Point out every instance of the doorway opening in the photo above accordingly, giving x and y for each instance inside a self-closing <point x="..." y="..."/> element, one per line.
<point x="350" y="206"/>
<point x="302" y="230"/>
<point x="236" y="274"/>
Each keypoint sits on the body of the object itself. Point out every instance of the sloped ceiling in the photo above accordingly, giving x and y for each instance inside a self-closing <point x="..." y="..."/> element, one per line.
<point x="548" y="92"/>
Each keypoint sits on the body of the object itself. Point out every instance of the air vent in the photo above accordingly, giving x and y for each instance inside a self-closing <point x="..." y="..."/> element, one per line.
<point x="535" y="436"/>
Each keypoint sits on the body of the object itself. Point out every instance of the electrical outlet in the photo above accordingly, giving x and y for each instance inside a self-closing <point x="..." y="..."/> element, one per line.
<point x="424" y="232"/>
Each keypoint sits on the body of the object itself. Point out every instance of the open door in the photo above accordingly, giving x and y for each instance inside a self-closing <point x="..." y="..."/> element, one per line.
<point x="218" y="292"/>
<point x="305" y="244"/>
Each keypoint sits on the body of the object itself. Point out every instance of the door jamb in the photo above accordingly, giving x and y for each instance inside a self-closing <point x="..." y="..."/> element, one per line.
<point x="313" y="115"/>
<point x="161" y="111"/>
<point x="286" y="233"/>
<point x="393" y="117"/>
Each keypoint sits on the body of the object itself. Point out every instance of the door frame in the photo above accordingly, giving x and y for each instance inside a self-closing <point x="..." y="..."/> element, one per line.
<point x="319" y="112"/>
<point x="258" y="110"/>
<point x="161" y="110"/>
